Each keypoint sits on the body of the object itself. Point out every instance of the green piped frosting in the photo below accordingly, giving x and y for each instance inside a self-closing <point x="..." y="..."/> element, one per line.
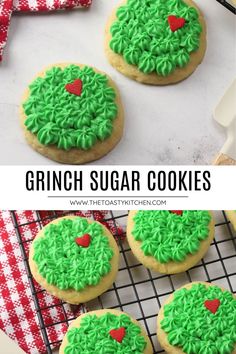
<point x="192" y="327"/>
<point x="65" y="264"/>
<point x="68" y="121"/>
<point x="170" y="237"/>
<point x="93" y="336"/>
<point x="141" y="34"/>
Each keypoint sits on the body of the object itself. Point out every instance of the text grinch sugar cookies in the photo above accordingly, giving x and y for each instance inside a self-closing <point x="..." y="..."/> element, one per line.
<point x="156" y="41"/>
<point x="74" y="259"/>
<point x="198" y="318"/>
<point x="105" y="331"/>
<point x="72" y="114"/>
<point x="170" y="241"/>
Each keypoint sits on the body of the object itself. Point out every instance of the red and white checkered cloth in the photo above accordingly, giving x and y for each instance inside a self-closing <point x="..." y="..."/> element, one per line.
<point x="7" y="7"/>
<point x="18" y="317"/>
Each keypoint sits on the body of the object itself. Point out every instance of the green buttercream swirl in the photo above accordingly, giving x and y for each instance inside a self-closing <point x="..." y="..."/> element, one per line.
<point x="192" y="327"/>
<point x="65" y="264"/>
<point x="68" y="121"/>
<point x="141" y="34"/>
<point x="93" y="336"/>
<point x="170" y="237"/>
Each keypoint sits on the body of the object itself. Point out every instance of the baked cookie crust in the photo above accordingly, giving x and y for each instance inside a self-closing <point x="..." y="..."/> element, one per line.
<point x="131" y="71"/>
<point x="162" y="335"/>
<point x="231" y="215"/>
<point x="76" y="156"/>
<point x="170" y="267"/>
<point x="90" y="292"/>
<point x="76" y="323"/>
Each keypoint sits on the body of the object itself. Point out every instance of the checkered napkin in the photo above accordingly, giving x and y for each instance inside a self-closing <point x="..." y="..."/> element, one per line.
<point x="7" y="7"/>
<point x="18" y="318"/>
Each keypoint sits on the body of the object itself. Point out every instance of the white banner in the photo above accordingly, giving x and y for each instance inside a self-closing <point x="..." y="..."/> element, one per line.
<point x="117" y="187"/>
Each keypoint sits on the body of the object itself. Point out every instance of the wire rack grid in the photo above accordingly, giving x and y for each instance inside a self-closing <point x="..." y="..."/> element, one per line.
<point x="137" y="290"/>
<point x="228" y="4"/>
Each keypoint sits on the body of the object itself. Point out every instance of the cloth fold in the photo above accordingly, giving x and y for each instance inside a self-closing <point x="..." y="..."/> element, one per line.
<point x="7" y="7"/>
<point x="18" y="317"/>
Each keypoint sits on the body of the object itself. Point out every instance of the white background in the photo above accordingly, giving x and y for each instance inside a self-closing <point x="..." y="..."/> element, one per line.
<point x="164" y="125"/>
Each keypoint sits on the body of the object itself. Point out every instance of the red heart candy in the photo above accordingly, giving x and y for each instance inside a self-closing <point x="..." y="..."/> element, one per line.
<point x="212" y="305"/>
<point x="118" y="334"/>
<point x="176" y="22"/>
<point x="178" y="212"/>
<point x="75" y="88"/>
<point x="83" y="241"/>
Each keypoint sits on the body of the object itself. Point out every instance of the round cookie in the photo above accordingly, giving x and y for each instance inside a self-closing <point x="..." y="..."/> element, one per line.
<point x="168" y="241"/>
<point x="156" y="42"/>
<point x="74" y="259"/>
<point x="231" y="215"/>
<point x="72" y="114"/>
<point x="105" y="331"/>
<point x="198" y="318"/>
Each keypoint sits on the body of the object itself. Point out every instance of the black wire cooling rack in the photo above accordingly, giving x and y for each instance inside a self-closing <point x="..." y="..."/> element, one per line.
<point x="137" y="290"/>
<point x="229" y="5"/>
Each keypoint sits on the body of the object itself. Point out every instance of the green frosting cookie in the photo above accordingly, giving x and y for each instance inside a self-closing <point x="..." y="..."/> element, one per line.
<point x="169" y="236"/>
<point x="67" y="120"/>
<point x="201" y="320"/>
<point x="142" y="34"/>
<point x="66" y="264"/>
<point x="93" y="336"/>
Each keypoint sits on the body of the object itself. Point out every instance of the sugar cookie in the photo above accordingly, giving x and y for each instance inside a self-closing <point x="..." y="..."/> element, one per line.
<point x="231" y="215"/>
<point x="74" y="259"/>
<point x="198" y="318"/>
<point x="172" y="241"/>
<point x="72" y="114"/>
<point x="106" y="331"/>
<point x="156" y="42"/>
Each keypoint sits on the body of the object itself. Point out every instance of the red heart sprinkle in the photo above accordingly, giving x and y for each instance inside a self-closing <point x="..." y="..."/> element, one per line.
<point x="177" y="212"/>
<point x="75" y="88"/>
<point x="118" y="334"/>
<point x="176" y="22"/>
<point x="83" y="241"/>
<point x="212" y="305"/>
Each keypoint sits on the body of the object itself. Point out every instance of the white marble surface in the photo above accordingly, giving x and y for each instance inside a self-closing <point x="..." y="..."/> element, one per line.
<point x="164" y="125"/>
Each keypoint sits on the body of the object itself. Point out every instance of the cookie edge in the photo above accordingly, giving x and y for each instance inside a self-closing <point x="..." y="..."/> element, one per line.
<point x="99" y="313"/>
<point x="89" y="292"/>
<point x="76" y="156"/>
<point x="131" y="71"/>
<point x="162" y="335"/>
<point x="171" y="267"/>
